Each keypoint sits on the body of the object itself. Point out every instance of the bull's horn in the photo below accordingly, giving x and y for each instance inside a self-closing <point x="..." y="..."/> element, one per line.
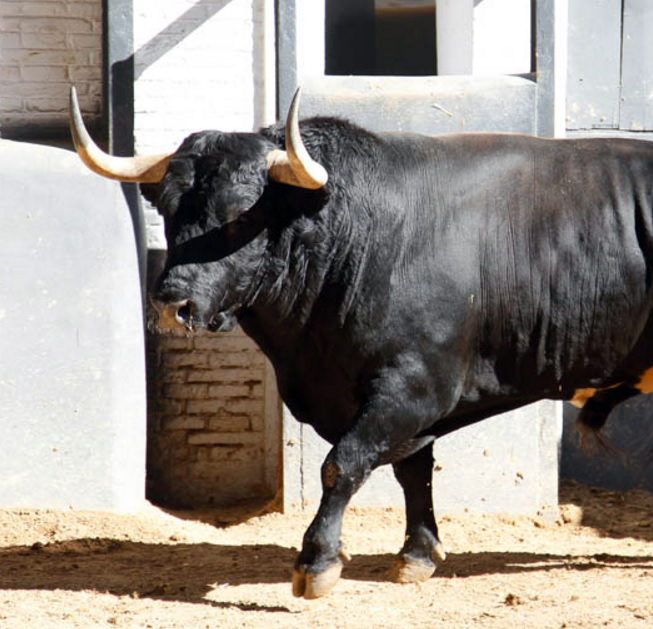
<point x="140" y="169"/>
<point x="295" y="166"/>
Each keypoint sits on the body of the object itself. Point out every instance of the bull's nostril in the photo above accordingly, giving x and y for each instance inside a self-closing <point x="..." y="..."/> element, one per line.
<point x="173" y="315"/>
<point x="184" y="313"/>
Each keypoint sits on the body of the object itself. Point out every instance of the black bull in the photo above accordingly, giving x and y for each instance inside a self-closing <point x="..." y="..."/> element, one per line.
<point x="430" y="283"/>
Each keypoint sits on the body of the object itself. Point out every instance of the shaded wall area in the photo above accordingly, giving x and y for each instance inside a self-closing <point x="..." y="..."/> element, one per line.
<point x="626" y="462"/>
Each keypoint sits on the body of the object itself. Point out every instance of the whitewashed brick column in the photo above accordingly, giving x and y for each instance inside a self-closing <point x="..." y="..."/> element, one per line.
<point x="214" y="422"/>
<point x="44" y="47"/>
<point x="207" y="421"/>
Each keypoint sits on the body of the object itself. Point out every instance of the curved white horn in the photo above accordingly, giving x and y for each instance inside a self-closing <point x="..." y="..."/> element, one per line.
<point x="295" y="166"/>
<point x="140" y="169"/>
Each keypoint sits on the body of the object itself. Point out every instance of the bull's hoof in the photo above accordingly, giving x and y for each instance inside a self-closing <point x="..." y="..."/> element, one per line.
<point x="314" y="585"/>
<point x="411" y="571"/>
<point x="438" y="552"/>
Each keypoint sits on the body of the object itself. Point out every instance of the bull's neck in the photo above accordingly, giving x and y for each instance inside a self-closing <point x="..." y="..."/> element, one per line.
<point x="312" y="270"/>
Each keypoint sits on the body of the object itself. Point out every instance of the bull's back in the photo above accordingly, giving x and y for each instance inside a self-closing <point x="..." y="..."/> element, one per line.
<point x="544" y="248"/>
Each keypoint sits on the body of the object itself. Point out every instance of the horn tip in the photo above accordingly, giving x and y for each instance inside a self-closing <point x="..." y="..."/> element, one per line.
<point x="73" y="96"/>
<point x="294" y="104"/>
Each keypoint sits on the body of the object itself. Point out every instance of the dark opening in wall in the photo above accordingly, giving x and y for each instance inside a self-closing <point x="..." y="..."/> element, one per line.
<point x="380" y="37"/>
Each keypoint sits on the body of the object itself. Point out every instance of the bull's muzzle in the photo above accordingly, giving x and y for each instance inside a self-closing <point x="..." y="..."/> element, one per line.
<point x="175" y="315"/>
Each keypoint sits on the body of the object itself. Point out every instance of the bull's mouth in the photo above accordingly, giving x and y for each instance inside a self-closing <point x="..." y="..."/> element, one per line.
<point x="184" y="317"/>
<point x="222" y="322"/>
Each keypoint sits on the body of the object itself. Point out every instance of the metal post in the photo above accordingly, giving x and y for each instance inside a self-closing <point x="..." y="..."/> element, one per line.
<point x="286" y="25"/>
<point x="551" y="23"/>
<point x="118" y="70"/>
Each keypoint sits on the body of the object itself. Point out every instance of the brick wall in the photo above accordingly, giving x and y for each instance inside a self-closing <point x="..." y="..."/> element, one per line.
<point x="44" y="47"/>
<point x="207" y="65"/>
<point x="207" y="432"/>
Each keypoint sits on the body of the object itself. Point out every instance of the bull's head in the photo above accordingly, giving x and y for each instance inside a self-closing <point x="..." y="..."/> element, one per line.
<point x="208" y="193"/>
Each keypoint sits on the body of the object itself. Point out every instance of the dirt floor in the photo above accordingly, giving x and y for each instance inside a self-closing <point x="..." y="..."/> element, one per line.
<point x="592" y="567"/>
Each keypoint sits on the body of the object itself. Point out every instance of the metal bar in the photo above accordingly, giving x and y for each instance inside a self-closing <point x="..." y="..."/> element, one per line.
<point x="118" y="71"/>
<point x="286" y="25"/>
<point x="551" y="58"/>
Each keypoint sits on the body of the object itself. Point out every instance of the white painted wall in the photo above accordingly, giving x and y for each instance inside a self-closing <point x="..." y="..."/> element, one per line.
<point x="200" y="65"/>
<point x="310" y="38"/>
<point x="45" y="46"/>
<point x="502" y="37"/>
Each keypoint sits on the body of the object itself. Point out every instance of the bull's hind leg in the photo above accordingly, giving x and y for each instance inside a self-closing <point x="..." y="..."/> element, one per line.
<point x="416" y="559"/>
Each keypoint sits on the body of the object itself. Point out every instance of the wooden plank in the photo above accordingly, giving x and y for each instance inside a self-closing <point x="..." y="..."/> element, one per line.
<point x="593" y="74"/>
<point x="637" y="66"/>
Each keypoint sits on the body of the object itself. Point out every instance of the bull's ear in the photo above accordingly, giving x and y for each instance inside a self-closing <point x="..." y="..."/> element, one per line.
<point x="150" y="192"/>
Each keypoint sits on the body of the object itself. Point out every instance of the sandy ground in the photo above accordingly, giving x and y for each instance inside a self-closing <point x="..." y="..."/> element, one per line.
<point x="592" y="567"/>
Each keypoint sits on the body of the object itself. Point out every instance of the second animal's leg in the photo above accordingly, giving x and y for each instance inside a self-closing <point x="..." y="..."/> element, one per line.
<point x="416" y="559"/>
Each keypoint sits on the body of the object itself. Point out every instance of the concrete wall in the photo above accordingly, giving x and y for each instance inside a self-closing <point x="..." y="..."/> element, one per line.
<point x="506" y="464"/>
<point x="627" y="462"/>
<point x="198" y="64"/>
<point x="72" y="368"/>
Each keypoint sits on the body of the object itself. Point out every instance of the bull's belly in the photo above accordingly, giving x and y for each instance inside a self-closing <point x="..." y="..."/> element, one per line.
<point x="326" y="405"/>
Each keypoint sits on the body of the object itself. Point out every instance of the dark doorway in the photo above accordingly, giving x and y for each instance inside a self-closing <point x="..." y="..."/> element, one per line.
<point x="380" y="37"/>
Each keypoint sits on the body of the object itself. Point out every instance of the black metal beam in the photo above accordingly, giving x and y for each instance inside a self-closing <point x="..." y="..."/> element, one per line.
<point x="118" y="75"/>
<point x="286" y="43"/>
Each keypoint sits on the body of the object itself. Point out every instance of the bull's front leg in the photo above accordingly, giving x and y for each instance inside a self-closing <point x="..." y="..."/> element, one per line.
<point x="319" y="563"/>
